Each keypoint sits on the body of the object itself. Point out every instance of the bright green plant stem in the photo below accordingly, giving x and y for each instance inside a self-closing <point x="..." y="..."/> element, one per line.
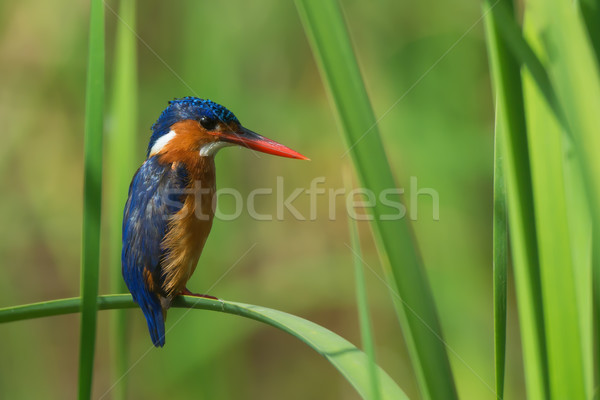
<point x="92" y="193"/>
<point x="521" y="217"/>
<point x="326" y="30"/>
<point x="362" y="301"/>
<point x="500" y="257"/>
<point x="343" y="355"/>
<point x="120" y="167"/>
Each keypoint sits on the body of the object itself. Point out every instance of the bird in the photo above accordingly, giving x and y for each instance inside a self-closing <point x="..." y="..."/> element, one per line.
<point x="167" y="219"/>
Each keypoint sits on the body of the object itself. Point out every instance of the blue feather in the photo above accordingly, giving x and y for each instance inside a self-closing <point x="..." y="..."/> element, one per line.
<point x="155" y="194"/>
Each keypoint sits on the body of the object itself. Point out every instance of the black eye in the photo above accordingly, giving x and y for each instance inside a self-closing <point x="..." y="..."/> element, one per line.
<point x="208" y="123"/>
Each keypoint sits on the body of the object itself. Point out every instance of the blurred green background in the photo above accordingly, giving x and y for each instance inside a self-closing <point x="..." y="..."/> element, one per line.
<point x="426" y="58"/>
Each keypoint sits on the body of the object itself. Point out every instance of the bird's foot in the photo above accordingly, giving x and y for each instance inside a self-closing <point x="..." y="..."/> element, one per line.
<point x="186" y="292"/>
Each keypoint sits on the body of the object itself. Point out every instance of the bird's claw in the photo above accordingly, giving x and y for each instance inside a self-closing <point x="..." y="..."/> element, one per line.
<point x="186" y="292"/>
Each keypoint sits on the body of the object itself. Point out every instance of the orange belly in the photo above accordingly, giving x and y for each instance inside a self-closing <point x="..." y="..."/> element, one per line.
<point x="187" y="234"/>
<point x="188" y="228"/>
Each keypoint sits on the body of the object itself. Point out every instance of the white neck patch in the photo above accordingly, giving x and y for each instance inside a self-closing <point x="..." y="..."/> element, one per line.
<point x="211" y="148"/>
<point x="161" y="143"/>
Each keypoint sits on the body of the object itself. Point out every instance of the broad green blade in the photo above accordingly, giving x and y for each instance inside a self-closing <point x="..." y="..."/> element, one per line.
<point x="565" y="367"/>
<point x="326" y="30"/>
<point x="352" y="363"/>
<point x="520" y="49"/>
<point x="120" y="168"/>
<point x="574" y="73"/>
<point x="500" y="256"/>
<point x="510" y="115"/>
<point x="92" y="197"/>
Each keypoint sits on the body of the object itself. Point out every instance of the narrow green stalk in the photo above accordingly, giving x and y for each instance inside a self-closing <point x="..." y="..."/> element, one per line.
<point x="120" y="167"/>
<point x="328" y="36"/>
<point x="92" y="198"/>
<point x="595" y="317"/>
<point x="343" y="355"/>
<point x="366" y="330"/>
<point x="500" y="257"/>
<point x="92" y="194"/>
<point x="521" y="218"/>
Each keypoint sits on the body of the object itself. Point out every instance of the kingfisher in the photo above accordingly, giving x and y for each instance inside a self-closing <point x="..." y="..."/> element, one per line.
<point x="170" y="206"/>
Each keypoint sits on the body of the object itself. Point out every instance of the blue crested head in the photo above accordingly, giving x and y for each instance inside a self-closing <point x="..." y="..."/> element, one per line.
<point x="216" y="128"/>
<point x="188" y="108"/>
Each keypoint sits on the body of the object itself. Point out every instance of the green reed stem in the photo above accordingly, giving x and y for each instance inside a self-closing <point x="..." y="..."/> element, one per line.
<point x="500" y="261"/>
<point x="121" y="165"/>
<point x="92" y="193"/>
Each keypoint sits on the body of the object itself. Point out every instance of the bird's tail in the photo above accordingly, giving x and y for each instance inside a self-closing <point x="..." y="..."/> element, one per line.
<point x="153" y="311"/>
<point x="148" y="301"/>
<point x="156" y="324"/>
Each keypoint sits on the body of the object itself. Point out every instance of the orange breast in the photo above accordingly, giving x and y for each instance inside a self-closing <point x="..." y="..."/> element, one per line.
<point x="189" y="228"/>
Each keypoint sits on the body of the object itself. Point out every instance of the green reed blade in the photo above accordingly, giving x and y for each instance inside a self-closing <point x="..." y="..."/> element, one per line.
<point x="556" y="264"/>
<point x="574" y="72"/>
<point x="522" y="51"/>
<point x="521" y="218"/>
<point x="326" y="30"/>
<point x="590" y="11"/>
<point x="92" y="194"/>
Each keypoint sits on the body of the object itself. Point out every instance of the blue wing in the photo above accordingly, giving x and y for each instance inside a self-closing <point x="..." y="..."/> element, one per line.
<point x="155" y="194"/>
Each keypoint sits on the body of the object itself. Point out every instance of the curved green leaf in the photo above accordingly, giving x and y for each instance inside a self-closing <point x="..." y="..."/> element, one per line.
<point x="352" y="363"/>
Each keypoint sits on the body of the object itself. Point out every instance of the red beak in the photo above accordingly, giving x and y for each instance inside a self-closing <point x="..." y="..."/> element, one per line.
<point x="252" y="140"/>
